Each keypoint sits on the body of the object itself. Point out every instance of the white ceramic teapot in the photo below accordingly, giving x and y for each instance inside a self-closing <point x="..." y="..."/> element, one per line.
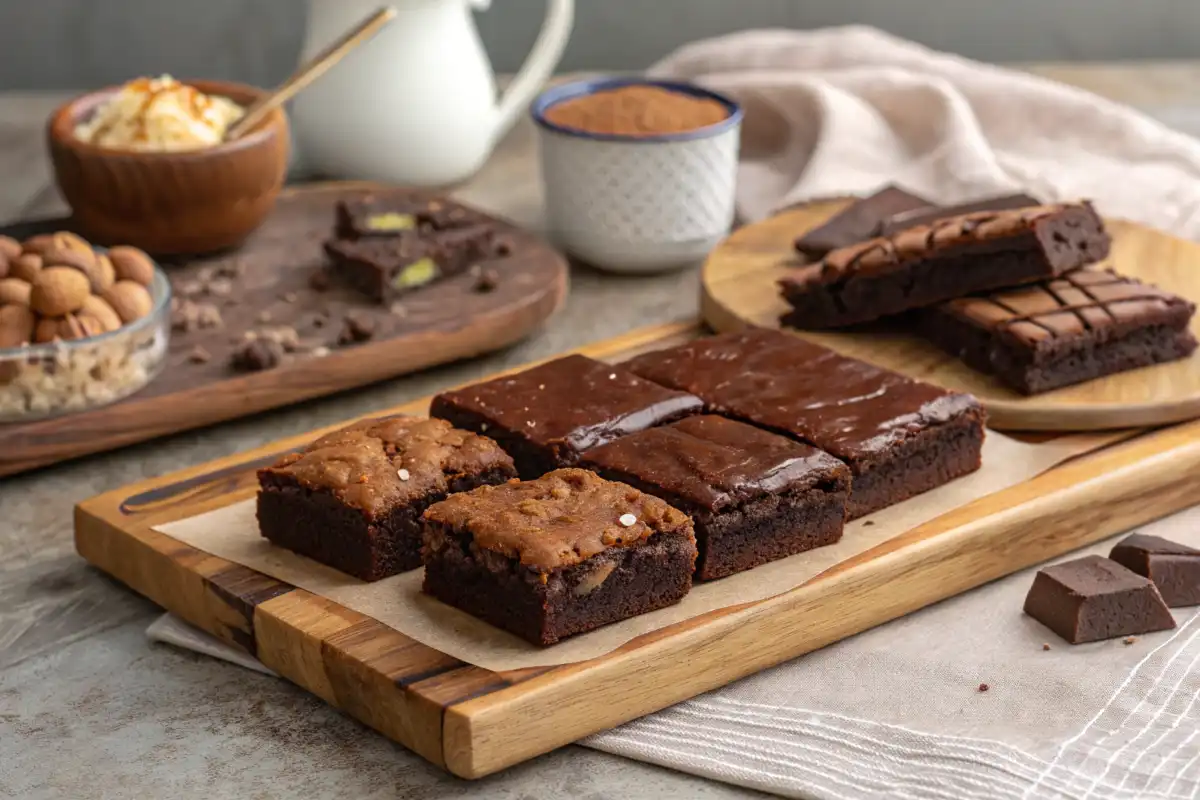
<point x="417" y="104"/>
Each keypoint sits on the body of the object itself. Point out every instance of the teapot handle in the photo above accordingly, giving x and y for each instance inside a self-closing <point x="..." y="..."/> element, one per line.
<point x="539" y="64"/>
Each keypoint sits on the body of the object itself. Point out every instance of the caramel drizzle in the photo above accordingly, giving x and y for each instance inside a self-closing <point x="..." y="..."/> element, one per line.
<point x="974" y="227"/>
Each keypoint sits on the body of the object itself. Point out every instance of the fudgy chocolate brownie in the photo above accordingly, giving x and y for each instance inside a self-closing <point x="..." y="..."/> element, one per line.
<point x="353" y="499"/>
<point x="858" y="221"/>
<point x="557" y="556"/>
<point x="753" y="496"/>
<point x="1093" y="598"/>
<point x="546" y="416"/>
<point x="1174" y="568"/>
<point x="371" y="216"/>
<point x="387" y="267"/>
<point x="941" y="260"/>
<point x="923" y="216"/>
<point x="900" y="437"/>
<point x="1083" y="325"/>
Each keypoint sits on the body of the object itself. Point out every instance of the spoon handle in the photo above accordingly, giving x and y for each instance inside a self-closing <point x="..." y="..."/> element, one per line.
<point x="314" y="68"/>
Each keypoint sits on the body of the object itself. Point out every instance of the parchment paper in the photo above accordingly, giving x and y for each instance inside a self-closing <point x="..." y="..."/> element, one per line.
<point x="232" y="533"/>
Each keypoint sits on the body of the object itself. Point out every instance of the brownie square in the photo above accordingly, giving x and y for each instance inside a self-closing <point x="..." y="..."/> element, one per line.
<point x="928" y="264"/>
<point x="753" y="496"/>
<point x="1093" y="598"/>
<point x="353" y="499"/>
<point x="560" y="555"/>
<point x="900" y="437"/>
<point x="1174" y="568"/>
<point x="546" y="416"/>
<point x="1084" y="325"/>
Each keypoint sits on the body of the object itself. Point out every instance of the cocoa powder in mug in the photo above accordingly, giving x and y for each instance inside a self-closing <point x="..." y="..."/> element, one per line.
<point x="637" y="111"/>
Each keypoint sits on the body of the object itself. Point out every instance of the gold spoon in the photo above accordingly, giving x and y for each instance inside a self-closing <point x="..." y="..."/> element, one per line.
<point x="314" y="68"/>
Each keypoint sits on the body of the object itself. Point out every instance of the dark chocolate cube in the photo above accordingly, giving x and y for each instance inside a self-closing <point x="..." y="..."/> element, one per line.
<point x="557" y="556"/>
<point x="753" y="496"/>
<point x="858" y="221"/>
<point x="1093" y="598"/>
<point x="1174" y="568"/>
<point x="353" y="499"/>
<point x="546" y="416"/>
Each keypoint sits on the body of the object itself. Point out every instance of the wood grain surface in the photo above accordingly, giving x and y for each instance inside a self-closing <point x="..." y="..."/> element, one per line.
<point x="474" y="722"/>
<point x="739" y="289"/>
<point x="447" y="321"/>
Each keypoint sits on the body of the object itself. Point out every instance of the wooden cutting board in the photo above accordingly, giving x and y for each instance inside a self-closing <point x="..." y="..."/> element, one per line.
<point x="473" y="722"/>
<point x="444" y="322"/>
<point x="739" y="289"/>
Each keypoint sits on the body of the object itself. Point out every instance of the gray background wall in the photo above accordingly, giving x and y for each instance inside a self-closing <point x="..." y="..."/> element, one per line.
<point x="56" y="44"/>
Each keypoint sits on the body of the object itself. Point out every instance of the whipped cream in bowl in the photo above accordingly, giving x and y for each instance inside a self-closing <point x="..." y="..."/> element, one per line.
<point x="159" y="115"/>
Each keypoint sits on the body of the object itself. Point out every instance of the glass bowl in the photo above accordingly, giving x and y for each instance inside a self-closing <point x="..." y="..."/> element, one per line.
<point x="40" y="381"/>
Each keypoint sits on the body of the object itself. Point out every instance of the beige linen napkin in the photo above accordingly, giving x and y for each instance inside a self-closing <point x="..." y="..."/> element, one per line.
<point x="844" y="110"/>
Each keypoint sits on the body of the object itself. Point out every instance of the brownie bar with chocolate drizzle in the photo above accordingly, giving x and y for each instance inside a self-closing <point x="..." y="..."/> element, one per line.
<point x="1055" y="333"/>
<point x="942" y="260"/>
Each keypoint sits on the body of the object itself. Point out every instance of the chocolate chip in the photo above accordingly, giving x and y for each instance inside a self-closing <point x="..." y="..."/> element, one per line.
<point x="257" y="355"/>
<point x="199" y="355"/>
<point x="356" y="327"/>
<point x="486" y="281"/>
<point x="319" y="321"/>
<point x="319" y="281"/>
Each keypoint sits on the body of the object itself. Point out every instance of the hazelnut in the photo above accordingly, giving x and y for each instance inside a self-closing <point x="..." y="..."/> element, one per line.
<point x="131" y="264"/>
<point x="58" y="291"/>
<point x="103" y="276"/>
<point x="36" y="244"/>
<point x="16" y="325"/>
<point x="72" y="241"/>
<point x="99" y="309"/>
<point x="46" y="330"/>
<point x="78" y="326"/>
<point x="130" y="300"/>
<point x="26" y="267"/>
<point x="55" y="256"/>
<point x="14" y="291"/>
<point x="10" y="248"/>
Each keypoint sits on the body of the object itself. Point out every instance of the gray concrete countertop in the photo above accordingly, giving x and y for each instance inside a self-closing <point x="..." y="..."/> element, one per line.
<point x="88" y="708"/>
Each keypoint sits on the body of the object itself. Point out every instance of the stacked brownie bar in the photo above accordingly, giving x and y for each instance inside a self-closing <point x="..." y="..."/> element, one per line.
<point x="389" y="247"/>
<point x="1008" y="285"/>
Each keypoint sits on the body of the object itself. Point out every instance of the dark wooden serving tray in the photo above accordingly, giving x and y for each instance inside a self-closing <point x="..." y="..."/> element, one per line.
<point x="439" y="324"/>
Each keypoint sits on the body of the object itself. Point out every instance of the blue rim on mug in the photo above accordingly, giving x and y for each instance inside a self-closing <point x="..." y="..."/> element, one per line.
<point x="582" y="88"/>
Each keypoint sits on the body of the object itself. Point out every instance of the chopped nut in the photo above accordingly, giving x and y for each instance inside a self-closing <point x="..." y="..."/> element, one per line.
<point x="531" y="508"/>
<point x="220" y="287"/>
<point x="356" y="327"/>
<point x="206" y="274"/>
<point x="230" y="269"/>
<point x="264" y="316"/>
<point x="486" y="281"/>
<point x="402" y="474"/>
<point x="199" y="355"/>
<point x="189" y="288"/>
<point x="290" y="297"/>
<point x="320" y="352"/>
<point x="1045" y="645"/>
<point x="398" y="310"/>
<point x="560" y="492"/>
<point x="612" y="376"/>
<point x="208" y="316"/>
<point x="256" y="355"/>
<point x="628" y="520"/>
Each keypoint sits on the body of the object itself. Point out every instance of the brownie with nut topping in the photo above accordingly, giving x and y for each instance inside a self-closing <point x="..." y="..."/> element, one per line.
<point x="753" y="496"/>
<point x="353" y="499"/>
<point x="899" y="436"/>
<point x="547" y="415"/>
<point x="1084" y="325"/>
<point x="941" y="260"/>
<point x="557" y="556"/>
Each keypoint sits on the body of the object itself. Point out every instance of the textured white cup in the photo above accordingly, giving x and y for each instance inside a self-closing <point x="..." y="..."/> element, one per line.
<point x="638" y="204"/>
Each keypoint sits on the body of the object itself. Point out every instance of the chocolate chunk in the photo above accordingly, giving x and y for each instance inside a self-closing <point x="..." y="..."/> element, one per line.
<point x="356" y="327"/>
<point x="858" y="221"/>
<point x="257" y="355"/>
<point x="319" y="281"/>
<point x="486" y="281"/>
<point x="941" y="261"/>
<point x="1174" y="568"/>
<point x="922" y="216"/>
<point x="1093" y="598"/>
<point x="1056" y="333"/>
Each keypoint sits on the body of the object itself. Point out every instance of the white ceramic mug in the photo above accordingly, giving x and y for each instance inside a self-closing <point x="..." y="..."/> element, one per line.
<point x="417" y="104"/>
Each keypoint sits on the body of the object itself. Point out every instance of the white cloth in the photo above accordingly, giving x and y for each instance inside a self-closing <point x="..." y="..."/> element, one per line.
<point x="845" y="110"/>
<point x="897" y="712"/>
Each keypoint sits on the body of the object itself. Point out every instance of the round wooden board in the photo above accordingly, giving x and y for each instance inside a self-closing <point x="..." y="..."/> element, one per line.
<point x="739" y="290"/>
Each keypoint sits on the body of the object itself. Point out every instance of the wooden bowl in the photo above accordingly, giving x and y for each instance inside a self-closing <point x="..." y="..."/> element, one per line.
<point x="170" y="203"/>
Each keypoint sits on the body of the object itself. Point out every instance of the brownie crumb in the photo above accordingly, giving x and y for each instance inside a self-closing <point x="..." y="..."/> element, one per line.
<point x="220" y="287"/>
<point x="290" y="297"/>
<point x="1045" y="645"/>
<point x="486" y="281"/>
<point x="356" y="327"/>
<point x="503" y="248"/>
<point x="208" y="316"/>
<point x="868" y="522"/>
<point x="190" y="316"/>
<point x="190" y="288"/>
<point x="199" y="355"/>
<point x="983" y="687"/>
<point x="230" y="269"/>
<point x="319" y="281"/>
<point x="319" y="321"/>
<point x="1129" y="639"/>
<point x="206" y="274"/>
<point x="257" y="355"/>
